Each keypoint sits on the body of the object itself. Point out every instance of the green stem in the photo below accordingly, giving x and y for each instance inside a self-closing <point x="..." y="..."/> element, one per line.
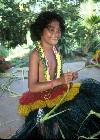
<point x="89" y="66"/>
<point x="54" y="108"/>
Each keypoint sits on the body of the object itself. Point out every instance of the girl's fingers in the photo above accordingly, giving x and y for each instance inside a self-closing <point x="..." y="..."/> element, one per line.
<point x="70" y="76"/>
<point x="75" y="76"/>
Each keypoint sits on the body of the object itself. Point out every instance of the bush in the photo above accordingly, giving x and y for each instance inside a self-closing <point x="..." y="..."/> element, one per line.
<point x="3" y="51"/>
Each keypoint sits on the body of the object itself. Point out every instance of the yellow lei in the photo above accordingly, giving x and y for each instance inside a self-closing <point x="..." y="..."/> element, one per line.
<point x="45" y="62"/>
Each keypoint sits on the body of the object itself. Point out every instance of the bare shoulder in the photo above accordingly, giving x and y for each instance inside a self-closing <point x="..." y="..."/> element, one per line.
<point x="34" y="55"/>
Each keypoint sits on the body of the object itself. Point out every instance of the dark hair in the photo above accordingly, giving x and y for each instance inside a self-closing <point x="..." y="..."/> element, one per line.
<point x="44" y="18"/>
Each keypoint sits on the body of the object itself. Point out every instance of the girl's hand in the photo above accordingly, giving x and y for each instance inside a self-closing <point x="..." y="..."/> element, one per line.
<point x="67" y="77"/>
<point x="75" y="75"/>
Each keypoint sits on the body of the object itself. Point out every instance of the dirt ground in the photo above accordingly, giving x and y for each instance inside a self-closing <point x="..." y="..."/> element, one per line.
<point x="10" y="121"/>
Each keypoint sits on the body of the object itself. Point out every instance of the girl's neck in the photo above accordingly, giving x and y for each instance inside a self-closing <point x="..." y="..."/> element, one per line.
<point x="46" y="46"/>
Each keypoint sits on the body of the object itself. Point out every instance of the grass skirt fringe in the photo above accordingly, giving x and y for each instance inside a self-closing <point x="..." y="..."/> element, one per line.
<point x="69" y="124"/>
<point x="32" y="101"/>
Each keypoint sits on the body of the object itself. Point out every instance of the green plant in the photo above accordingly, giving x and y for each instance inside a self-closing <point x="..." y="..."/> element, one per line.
<point x="3" y="51"/>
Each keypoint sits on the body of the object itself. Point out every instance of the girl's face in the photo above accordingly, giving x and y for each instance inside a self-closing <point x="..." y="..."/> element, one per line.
<point x="52" y="33"/>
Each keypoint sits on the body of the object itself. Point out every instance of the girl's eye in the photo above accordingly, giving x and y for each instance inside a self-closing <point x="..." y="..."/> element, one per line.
<point x="51" y="30"/>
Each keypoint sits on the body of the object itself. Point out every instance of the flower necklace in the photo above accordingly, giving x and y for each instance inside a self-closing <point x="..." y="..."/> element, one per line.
<point x="45" y="62"/>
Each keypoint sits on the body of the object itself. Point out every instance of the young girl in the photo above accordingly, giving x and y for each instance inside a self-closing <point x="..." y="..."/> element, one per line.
<point x="48" y="85"/>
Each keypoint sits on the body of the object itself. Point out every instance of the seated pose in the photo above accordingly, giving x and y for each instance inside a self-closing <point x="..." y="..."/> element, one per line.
<point x="49" y="87"/>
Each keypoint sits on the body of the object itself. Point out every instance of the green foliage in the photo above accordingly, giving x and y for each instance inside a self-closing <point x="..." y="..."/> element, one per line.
<point x="20" y="62"/>
<point x="14" y="22"/>
<point x="82" y="30"/>
<point x="3" y="51"/>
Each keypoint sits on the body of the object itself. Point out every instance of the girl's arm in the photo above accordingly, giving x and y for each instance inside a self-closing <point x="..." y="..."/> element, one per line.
<point x="33" y="77"/>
